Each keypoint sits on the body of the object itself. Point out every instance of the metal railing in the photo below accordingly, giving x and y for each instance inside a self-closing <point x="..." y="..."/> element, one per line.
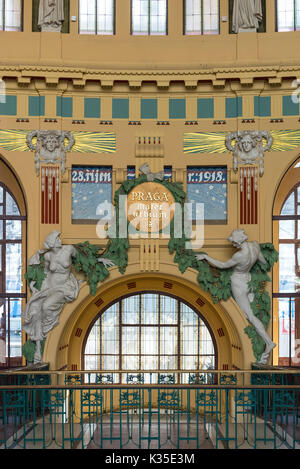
<point x="159" y="409"/>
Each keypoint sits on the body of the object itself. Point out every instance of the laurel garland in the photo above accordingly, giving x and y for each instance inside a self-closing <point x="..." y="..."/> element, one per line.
<point x="215" y="281"/>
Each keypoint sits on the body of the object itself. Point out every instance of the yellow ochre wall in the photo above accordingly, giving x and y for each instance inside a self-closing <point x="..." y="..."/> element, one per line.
<point x="160" y="67"/>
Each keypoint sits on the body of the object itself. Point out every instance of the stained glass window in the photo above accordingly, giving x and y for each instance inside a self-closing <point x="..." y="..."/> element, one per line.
<point x="149" y="332"/>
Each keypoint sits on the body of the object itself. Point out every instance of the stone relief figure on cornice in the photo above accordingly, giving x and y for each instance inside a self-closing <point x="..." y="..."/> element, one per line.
<point x="247" y="14"/>
<point x="51" y="15"/>
<point x="50" y="147"/>
<point x="241" y="264"/>
<point x="249" y="148"/>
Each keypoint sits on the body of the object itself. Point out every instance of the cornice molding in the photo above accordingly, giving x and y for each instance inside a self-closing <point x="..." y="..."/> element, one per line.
<point x="52" y="74"/>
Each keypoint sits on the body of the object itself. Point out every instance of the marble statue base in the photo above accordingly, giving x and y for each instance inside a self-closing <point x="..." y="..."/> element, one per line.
<point x="247" y="30"/>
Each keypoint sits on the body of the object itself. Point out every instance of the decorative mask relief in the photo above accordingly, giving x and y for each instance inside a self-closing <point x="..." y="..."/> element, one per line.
<point x="249" y="148"/>
<point x="50" y="147"/>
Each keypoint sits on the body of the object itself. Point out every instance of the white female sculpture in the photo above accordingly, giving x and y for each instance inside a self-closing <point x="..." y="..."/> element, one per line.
<point x="51" y="15"/>
<point x="247" y="14"/>
<point x="242" y="262"/>
<point x="60" y="286"/>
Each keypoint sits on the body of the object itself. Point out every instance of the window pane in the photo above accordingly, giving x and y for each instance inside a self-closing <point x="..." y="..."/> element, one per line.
<point x="130" y="308"/>
<point x="168" y="310"/>
<point x="110" y="330"/>
<point x="288" y="281"/>
<point x="130" y="340"/>
<point x="15" y="328"/>
<point x="285" y="15"/>
<point x="168" y="340"/>
<point x="207" y="186"/>
<point x="12" y="15"/>
<point x="149" y="340"/>
<point x="210" y="16"/>
<point x="13" y="229"/>
<point x="87" y="16"/>
<point x="286" y="229"/>
<point x="2" y="332"/>
<point x="289" y="206"/>
<point x="11" y="206"/>
<point x="149" y="307"/>
<point x="13" y="268"/>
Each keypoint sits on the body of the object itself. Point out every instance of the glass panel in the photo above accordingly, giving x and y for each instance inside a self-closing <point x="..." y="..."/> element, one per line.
<point x="110" y="330"/>
<point x="87" y="16"/>
<point x="168" y="363"/>
<point x="188" y="316"/>
<point x="13" y="268"/>
<point x="130" y="308"/>
<point x="91" y="362"/>
<point x="11" y="206"/>
<point x="285" y="15"/>
<point x="91" y="193"/>
<point x="168" y="310"/>
<point x="158" y="17"/>
<point x="206" y="343"/>
<point x="189" y="342"/>
<point x="284" y="331"/>
<point x="189" y="363"/>
<point x="207" y="363"/>
<point x="289" y="206"/>
<point x="288" y="281"/>
<point x="149" y="340"/>
<point x="13" y="229"/>
<point x="140" y="17"/>
<point x="286" y="229"/>
<point x="2" y="332"/>
<point x="149" y="363"/>
<point x="149" y="308"/>
<point x="130" y="340"/>
<point x="1" y="188"/>
<point x="193" y="22"/>
<point x="130" y="363"/>
<point x="15" y="328"/>
<point x="105" y="18"/>
<point x="12" y="15"/>
<point x="110" y="362"/>
<point x="168" y="340"/>
<point x="210" y="16"/>
<point x="1" y="230"/>
<point x="93" y="342"/>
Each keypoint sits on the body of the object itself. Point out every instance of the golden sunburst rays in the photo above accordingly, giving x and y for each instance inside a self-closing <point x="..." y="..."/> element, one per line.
<point x="208" y="142"/>
<point x="214" y="142"/>
<point x="94" y="142"/>
<point x="85" y="142"/>
<point x="13" y="140"/>
<point x="285" y="140"/>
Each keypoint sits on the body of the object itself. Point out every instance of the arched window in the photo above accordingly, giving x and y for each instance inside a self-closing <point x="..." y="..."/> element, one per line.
<point x="149" y="331"/>
<point x="287" y="286"/>
<point x="12" y="295"/>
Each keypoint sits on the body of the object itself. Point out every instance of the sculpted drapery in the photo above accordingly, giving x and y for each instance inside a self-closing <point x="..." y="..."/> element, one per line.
<point x="51" y="15"/>
<point x="247" y="14"/>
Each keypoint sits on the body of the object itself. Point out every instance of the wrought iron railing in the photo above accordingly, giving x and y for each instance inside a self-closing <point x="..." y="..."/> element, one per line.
<point x="205" y="409"/>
